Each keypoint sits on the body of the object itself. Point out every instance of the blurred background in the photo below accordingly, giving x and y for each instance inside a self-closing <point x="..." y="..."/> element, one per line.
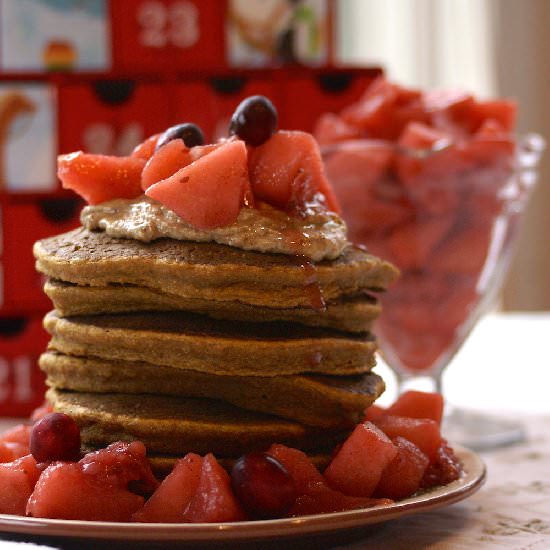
<point x="102" y="75"/>
<point x="493" y="48"/>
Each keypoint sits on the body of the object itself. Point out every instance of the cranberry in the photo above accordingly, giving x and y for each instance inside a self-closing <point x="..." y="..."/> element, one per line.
<point x="56" y="436"/>
<point x="190" y="133"/>
<point x="254" y="120"/>
<point x="263" y="486"/>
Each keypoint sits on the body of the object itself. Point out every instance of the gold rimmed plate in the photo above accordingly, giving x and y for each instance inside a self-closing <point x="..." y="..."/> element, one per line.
<point x="319" y="524"/>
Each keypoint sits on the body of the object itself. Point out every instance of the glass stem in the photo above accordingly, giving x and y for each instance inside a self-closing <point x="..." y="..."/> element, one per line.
<point x="422" y="382"/>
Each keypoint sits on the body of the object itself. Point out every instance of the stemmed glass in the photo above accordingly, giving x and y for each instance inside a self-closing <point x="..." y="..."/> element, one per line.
<point x="447" y="216"/>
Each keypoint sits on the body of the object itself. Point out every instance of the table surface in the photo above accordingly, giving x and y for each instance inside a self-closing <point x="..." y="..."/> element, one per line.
<point x="502" y="369"/>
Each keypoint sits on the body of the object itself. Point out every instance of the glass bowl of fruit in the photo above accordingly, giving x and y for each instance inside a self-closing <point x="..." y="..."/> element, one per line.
<point x="436" y="183"/>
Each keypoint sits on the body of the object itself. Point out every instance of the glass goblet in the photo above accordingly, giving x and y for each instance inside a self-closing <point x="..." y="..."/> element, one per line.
<point x="447" y="216"/>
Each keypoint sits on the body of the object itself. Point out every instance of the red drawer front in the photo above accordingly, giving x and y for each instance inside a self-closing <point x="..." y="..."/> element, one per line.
<point x="23" y="224"/>
<point x="111" y="117"/>
<point x="308" y="97"/>
<point x="212" y="104"/>
<point x="190" y="102"/>
<point x="21" y="381"/>
<point x="168" y="34"/>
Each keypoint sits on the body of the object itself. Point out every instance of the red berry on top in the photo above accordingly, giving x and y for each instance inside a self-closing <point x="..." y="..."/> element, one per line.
<point x="254" y="120"/>
<point x="190" y="133"/>
<point x="56" y="436"/>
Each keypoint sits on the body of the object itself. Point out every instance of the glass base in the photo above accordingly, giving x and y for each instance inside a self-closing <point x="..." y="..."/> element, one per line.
<point x="479" y="431"/>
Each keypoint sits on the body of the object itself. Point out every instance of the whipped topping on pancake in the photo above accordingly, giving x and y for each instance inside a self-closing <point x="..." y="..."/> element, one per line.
<point x="318" y="234"/>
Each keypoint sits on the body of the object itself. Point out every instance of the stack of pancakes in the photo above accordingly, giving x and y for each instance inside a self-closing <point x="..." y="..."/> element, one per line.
<point x="207" y="348"/>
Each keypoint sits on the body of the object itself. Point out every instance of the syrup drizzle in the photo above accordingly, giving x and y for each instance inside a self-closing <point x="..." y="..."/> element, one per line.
<point x="295" y="239"/>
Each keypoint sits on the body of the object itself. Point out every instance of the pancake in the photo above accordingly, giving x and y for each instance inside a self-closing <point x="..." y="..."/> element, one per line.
<point x="176" y="426"/>
<point x="348" y="313"/>
<point x="311" y="400"/>
<point x="194" y="342"/>
<point x="208" y="271"/>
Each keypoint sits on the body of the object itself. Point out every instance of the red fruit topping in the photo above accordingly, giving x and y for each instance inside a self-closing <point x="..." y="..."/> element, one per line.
<point x="169" y="502"/>
<point x="357" y="467"/>
<point x="99" y="178"/>
<point x="254" y="120"/>
<point x="418" y="404"/>
<point x="423" y="432"/>
<point x="445" y="468"/>
<point x="97" y="488"/>
<point x="17" y="480"/>
<point x="166" y="161"/>
<point x="209" y="192"/>
<point x="55" y="437"/>
<point x="402" y="476"/>
<point x="188" y="132"/>
<point x="146" y="148"/>
<point x="263" y="486"/>
<point x="214" y="501"/>
<point x="287" y="172"/>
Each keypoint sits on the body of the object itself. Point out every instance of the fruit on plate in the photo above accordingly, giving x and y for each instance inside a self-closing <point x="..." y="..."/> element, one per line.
<point x="169" y="502"/>
<point x="372" y="467"/>
<point x="56" y="436"/>
<point x="14" y="443"/>
<point x="214" y="501"/>
<point x="97" y="488"/>
<point x="17" y="481"/>
<point x="263" y="486"/>
<point x="313" y="493"/>
<point x="360" y="461"/>
<point x="417" y="404"/>
<point x="404" y="474"/>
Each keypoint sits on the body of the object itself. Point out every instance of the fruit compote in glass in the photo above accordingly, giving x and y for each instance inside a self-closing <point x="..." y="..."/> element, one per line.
<point x="442" y="202"/>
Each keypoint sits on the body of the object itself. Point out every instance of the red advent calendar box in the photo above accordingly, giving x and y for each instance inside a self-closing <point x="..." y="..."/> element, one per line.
<point x="219" y="97"/>
<point x="110" y="117"/>
<point x="190" y="101"/>
<point x="168" y="34"/>
<point x="22" y="387"/>
<point x="22" y="225"/>
<point x="305" y="98"/>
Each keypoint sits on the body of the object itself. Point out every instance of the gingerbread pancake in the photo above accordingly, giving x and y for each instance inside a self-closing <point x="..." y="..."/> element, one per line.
<point x="195" y="342"/>
<point x="312" y="400"/>
<point x="348" y="313"/>
<point x="209" y="271"/>
<point x="176" y="426"/>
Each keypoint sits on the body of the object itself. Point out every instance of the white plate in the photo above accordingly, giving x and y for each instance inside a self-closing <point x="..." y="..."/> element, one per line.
<point x="319" y="524"/>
